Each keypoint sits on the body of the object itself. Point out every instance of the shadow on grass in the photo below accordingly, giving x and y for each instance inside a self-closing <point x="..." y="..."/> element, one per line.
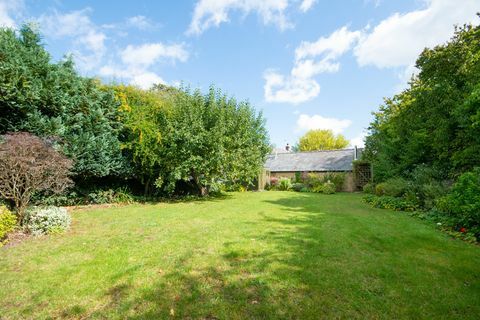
<point x="190" y="198"/>
<point x="248" y="283"/>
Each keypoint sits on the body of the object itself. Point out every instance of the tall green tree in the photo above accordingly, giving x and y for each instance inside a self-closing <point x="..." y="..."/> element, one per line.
<point x="144" y="115"/>
<point x="321" y="139"/>
<point x="212" y="139"/>
<point x="51" y="99"/>
<point x="435" y="121"/>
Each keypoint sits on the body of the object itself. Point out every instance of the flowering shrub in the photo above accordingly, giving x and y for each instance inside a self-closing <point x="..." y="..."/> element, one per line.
<point x="273" y="181"/>
<point x="7" y="222"/>
<point x="47" y="220"/>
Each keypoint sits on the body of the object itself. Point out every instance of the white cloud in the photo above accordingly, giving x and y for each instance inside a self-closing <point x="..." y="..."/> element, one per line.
<point x="87" y="39"/>
<point x="306" y="122"/>
<point x="140" y="77"/>
<point x="331" y="47"/>
<point x="307" y="5"/>
<point x="358" y="140"/>
<point x="398" y="40"/>
<point x="9" y="9"/>
<point x="149" y="53"/>
<point x="211" y="13"/>
<point x="395" y="42"/>
<point x="311" y="59"/>
<point x="140" y="22"/>
<point x="279" y="88"/>
<point x="137" y="61"/>
<point x="146" y="80"/>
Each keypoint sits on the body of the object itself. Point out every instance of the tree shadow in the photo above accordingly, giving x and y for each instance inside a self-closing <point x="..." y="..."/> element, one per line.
<point x="263" y="283"/>
<point x="295" y="270"/>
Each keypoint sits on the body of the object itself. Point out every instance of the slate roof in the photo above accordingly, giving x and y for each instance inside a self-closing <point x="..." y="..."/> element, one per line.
<point x="328" y="160"/>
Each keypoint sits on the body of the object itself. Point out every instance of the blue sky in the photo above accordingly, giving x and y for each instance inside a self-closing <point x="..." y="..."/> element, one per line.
<point x="306" y="64"/>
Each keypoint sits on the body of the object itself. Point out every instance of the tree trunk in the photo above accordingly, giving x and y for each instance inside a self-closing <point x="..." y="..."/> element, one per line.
<point x="147" y="189"/>
<point x="202" y="190"/>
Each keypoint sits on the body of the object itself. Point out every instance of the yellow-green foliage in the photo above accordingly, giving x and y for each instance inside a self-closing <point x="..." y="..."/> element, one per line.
<point x="144" y="114"/>
<point x="328" y="187"/>
<point x="322" y="140"/>
<point x="7" y="222"/>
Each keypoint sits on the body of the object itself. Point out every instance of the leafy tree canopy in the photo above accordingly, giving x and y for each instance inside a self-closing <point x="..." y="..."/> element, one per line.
<point x="212" y="139"/>
<point x="321" y="140"/>
<point x="51" y="99"/>
<point x="435" y="122"/>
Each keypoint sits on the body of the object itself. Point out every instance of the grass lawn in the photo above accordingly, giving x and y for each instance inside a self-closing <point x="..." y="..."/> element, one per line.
<point x="269" y="255"/>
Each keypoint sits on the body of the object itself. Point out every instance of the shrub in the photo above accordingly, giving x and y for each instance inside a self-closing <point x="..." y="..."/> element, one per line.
<point x="394" y="187"/>
<point x="337" y="178"/>
<point x="318" y="188"/>
<point x="298" y="177"/>
<point x="298" y="187"/>
<point x="284" y="184"/>
<point x="305" y="189"/>
<point x="29" y="165"/>
<point x="273" y="181"/>
<point x="430" y="193"/>
<point x="369" y="188"/>
<point x="46" y="220"/>
<point x="462" y="204"/>
<point x="328" y="187"/>
<point x="7" y="222"/>
<point x="389" y="202"/>
<point x="119" y="195"/>
<point x="313" y="181"/>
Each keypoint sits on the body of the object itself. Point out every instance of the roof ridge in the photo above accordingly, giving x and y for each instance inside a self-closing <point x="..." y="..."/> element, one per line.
<point x="315" y="151"/>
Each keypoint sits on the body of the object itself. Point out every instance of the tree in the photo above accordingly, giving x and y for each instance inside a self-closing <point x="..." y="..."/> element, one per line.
<point x="211" y="139"/>
<point x="321" y="140"/>
<point x="435" y="122"/>
<point x="27" y="166"/>
<point x="144" y="117"/>
<point x="51" y="99"/>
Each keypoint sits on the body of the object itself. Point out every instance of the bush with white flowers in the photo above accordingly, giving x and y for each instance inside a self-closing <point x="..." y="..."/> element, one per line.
<point x="45" y="220"/>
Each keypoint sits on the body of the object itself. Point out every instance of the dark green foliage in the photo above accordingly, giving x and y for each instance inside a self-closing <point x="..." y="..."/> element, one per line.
<point x="298" y="187"/>
<point x="165" y="139"/>
<point x="435" y="123"/>
<point x="51" y="100"/>
<point x="388" y="202"/>
<point x="298" y="176"/>
<point x="211" y="138"/>
<point x="95" y="195"/>
<point x="369" y="188"/>
<point x="394" y="187"/>
<point x="462" y="204"/>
